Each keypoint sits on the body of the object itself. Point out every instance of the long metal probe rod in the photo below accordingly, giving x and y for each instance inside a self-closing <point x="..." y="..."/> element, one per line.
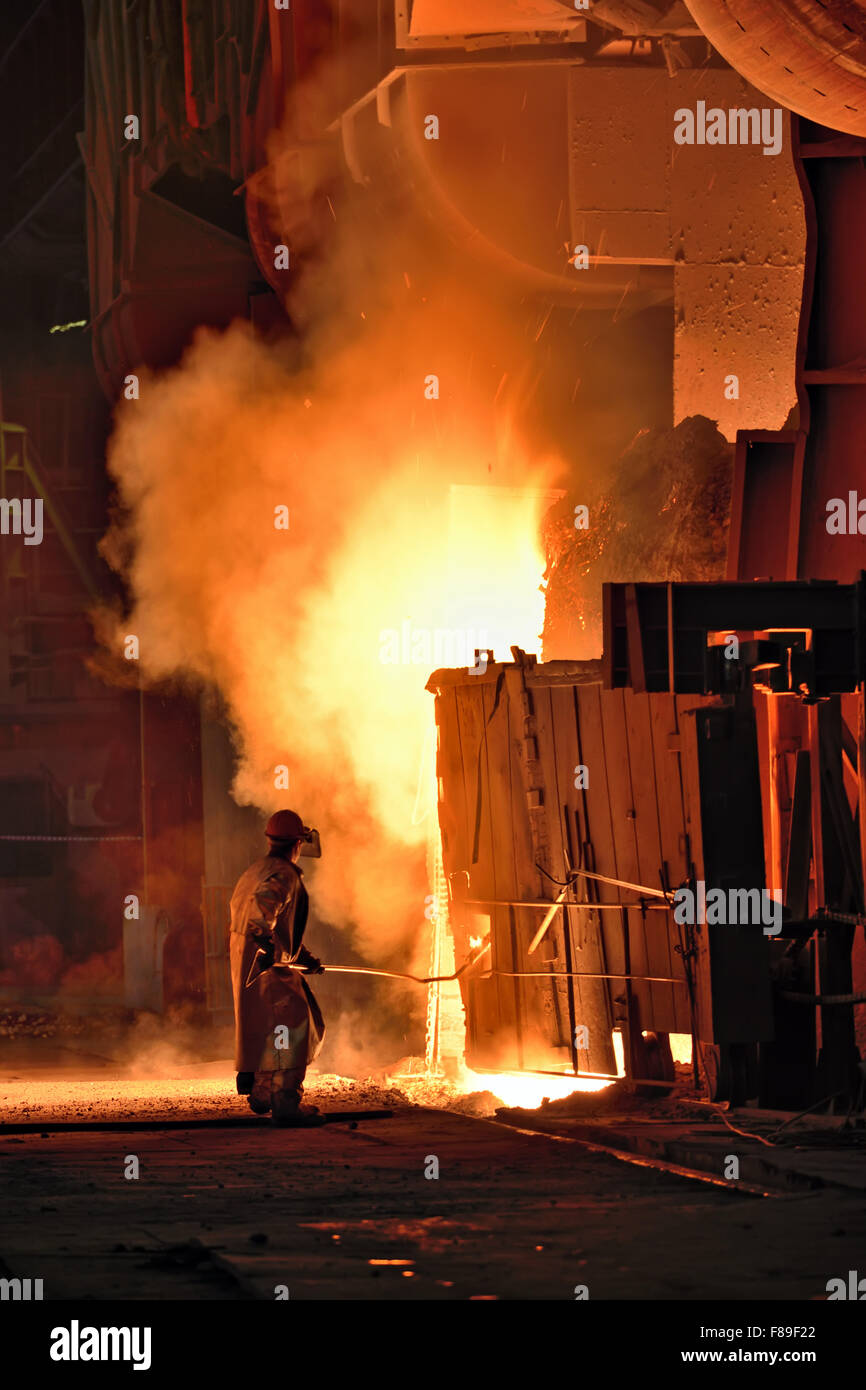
<point x="511" y="974"/>
<point x="623" y="883"/>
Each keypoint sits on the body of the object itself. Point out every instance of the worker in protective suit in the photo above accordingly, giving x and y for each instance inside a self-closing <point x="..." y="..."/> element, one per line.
<point x="279" y="1026"/>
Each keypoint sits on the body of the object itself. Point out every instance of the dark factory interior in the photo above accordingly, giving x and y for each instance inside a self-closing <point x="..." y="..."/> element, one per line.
<point x="432" y="731"/>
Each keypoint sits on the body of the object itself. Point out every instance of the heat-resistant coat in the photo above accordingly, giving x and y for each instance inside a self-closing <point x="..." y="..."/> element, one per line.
<point x="270" y="904"/>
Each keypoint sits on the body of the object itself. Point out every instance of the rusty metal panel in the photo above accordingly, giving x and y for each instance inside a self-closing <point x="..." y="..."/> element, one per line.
<point x="766" y="505"/>
<point x="674" y="839"/>
<point x="725" y="827"/>
<point x="654" y="929"/>
<point x="508" y="855"/>
<point x="496" y="827"/>
<point x="576" y="936"/>
<point x="672" y="796"/>
<point x="599" y="841"/>
<point x="517" y="819"/>
<point x="486" y="1012"/>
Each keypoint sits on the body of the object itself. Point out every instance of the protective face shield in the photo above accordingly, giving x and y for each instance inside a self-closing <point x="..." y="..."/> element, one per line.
<point x="311" y="848"/>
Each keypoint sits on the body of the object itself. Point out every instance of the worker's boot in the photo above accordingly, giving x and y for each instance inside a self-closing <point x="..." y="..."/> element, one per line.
<point x="301" y="1116"/>
<point x="287" y="1107"/>
<point x="259" y="1098"/>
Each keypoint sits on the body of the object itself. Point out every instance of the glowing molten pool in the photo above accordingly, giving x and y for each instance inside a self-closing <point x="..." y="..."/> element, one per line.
<point x="526" y="1089"/>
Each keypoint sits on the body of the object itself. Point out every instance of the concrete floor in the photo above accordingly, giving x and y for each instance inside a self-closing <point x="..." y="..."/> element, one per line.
<point x="347" y="1213"/>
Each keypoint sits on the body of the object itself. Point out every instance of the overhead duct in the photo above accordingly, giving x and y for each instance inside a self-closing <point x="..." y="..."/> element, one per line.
<point x="804" y="54"/>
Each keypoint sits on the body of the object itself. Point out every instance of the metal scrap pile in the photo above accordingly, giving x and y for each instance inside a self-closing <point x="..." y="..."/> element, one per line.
<point x="39" y="1023"/>
<point x="663" y="515"/>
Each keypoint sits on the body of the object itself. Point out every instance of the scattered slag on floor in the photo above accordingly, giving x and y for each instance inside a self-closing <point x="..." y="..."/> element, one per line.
<point x="62" y="1099"/>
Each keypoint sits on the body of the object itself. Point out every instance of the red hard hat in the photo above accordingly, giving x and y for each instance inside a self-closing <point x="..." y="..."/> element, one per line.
<point x="286" y="825"/>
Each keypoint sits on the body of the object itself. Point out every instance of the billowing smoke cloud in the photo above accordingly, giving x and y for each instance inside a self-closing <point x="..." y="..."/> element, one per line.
<point x="321" y="636"/>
